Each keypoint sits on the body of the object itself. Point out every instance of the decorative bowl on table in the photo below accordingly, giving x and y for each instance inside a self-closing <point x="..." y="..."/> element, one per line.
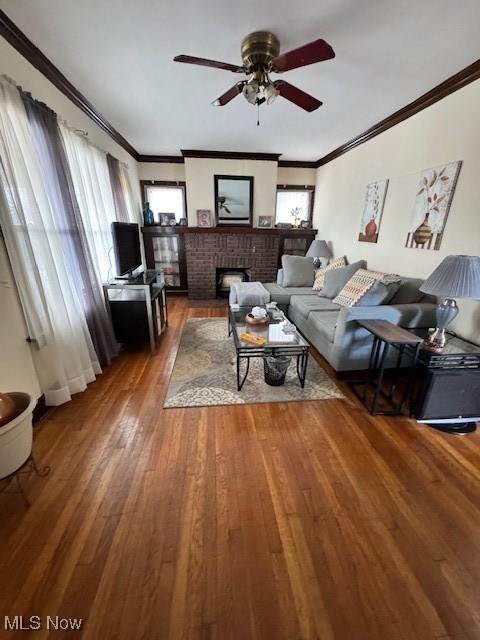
<point x="258" y="316"/>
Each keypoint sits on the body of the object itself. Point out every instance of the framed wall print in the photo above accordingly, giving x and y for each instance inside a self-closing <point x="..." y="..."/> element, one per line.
<point x="204" y="218"/>
<point x="234" y="200"/>
<point x="265" y="221"/>
<point x="372" y="211"/>
<point x="432" y="204"/>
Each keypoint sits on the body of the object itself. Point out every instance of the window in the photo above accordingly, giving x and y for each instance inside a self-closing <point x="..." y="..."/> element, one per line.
<point x="165" y="197"/>
<point x="294" y="202"/>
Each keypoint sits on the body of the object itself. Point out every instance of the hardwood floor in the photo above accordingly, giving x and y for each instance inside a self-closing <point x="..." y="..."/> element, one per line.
<point x="299" y="520"/>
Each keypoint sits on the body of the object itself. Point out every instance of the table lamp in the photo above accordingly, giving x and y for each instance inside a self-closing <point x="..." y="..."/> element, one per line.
<point x="455" y="277"/>
<point x="317" y="250"/>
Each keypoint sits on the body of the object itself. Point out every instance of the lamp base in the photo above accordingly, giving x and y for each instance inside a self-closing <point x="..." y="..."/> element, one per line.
<point x="447" y="311"/>
<point x="437" y="340"/>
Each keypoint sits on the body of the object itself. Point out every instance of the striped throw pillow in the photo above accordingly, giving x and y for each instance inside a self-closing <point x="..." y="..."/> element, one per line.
<point x="320" y="273"/>
<point x="359" y="284"/>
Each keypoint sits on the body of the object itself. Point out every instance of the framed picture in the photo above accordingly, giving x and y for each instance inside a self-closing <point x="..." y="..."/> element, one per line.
<point x="166" y="219"/>
<point x="432" y="203"/>
<point x="265" y="221"/>
<point x="204" y="218"/>
<point x="305" y="224"/>
<point x="234" y="200"/>
<point x="372" y="211"/>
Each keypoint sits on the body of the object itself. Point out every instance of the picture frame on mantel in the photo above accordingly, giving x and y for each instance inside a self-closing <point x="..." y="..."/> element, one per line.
<point x="233" y="200"/>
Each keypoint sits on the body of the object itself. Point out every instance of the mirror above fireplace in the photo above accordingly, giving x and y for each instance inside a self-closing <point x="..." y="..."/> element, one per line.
<point x="234" y="200"/>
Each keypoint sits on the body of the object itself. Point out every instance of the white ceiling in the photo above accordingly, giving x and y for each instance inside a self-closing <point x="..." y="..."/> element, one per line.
<point x="119" y="55"/>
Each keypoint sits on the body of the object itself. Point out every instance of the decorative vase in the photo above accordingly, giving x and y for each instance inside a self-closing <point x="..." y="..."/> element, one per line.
<point x="16" y="434"/>
<point x="424" y="232"/>
<point x="7" y="408"/>
<point x="371" y="228"/>
<point x="148" y="218"/>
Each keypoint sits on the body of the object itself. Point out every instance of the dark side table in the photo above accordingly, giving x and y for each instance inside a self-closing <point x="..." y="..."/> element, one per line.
<point x="447" y="389"/>
<point x="385" y="336"/>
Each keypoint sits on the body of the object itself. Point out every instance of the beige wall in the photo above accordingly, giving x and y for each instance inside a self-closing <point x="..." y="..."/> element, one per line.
<point x="447" y="131"/>
<point x="198" y="174"/>
<point x="17" y="372"/>
<point x="293" y="175"/>
<point x="161" y="171"/>
<point x="17" y="358"/>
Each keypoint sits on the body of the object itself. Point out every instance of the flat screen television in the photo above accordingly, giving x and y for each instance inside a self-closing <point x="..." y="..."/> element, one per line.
<point x="126" y="245"/>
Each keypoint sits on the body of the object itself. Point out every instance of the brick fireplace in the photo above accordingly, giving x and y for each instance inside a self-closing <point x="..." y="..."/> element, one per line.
<point x="204" y="251"/>
<point x="257" y="253"/>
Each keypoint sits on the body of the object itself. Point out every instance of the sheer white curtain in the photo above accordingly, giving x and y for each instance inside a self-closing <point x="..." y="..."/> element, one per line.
<point x="91" y="180"/>
<point x="54" y="314"/>
<point x="133" y="209"/>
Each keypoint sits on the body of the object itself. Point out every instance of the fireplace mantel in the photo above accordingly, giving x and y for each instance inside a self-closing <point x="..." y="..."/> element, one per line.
<point x="164" y="230"/>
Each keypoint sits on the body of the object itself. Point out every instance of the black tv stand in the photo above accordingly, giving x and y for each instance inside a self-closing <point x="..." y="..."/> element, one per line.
<point x="137" y="308"/>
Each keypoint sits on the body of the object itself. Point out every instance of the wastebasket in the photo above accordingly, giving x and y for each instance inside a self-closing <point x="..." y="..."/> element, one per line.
<point x="275" y="369"/>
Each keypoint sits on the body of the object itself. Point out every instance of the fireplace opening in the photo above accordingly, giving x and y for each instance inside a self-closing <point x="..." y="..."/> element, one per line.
<point x="228" y="276"/>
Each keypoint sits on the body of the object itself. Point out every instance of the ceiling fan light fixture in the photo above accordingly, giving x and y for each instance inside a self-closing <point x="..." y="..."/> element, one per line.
<point x="270" y="92"/>
<point x="261" y="55"/>
<point x="250" y="91"/>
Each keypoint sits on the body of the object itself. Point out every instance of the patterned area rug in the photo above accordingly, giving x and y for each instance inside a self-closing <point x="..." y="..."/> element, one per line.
<point x="204" y="373"/>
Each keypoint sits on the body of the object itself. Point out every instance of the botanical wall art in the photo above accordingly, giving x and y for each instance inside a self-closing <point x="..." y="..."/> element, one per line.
<point x="432" y="204"/>
<point x="372" y="212"/>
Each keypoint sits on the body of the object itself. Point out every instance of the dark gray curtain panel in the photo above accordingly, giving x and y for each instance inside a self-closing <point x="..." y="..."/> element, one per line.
<point x="59" y="186"/>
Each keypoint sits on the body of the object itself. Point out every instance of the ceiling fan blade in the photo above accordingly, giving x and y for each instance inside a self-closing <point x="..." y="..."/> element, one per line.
<point x="315" y="51"/>
<point x="204" y="62"/>
<point x="230" y="94"/>
<point x="297" y="96"/>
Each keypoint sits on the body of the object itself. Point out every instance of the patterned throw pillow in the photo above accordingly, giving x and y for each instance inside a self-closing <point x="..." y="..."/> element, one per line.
<point x="358" y="285"/>
<point x="320" y="273"/>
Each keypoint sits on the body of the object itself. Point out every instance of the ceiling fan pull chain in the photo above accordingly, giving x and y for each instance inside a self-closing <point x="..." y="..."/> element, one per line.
<point x="258" y="114"/>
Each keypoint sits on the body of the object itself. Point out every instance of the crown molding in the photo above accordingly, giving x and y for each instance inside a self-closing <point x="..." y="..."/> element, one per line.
<point x="32" y="53"/>
<point x="230" y="155"/>
<point x="454" y="83"/>
<point x="298" y="164"/>
<point x="161" y="159"/>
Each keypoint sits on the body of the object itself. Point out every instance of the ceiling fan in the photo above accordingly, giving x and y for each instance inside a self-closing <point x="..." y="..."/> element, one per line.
<point x="261" y="56"/>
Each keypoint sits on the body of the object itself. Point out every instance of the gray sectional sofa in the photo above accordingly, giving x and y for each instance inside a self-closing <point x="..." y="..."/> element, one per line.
<point x="333" y="330"/>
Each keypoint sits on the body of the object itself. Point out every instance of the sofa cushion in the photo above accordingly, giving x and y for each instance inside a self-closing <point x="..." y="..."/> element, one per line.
<point x="380" y="293"/>
<point x="408" y="292"/>
<point x="305" y="304"/>
<point x="282" y="295"/>
<point x="298" y="271"/>
<point x="325" y="322"/>
<point x="320" y="273"/>
<point x="336" y="279"/>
